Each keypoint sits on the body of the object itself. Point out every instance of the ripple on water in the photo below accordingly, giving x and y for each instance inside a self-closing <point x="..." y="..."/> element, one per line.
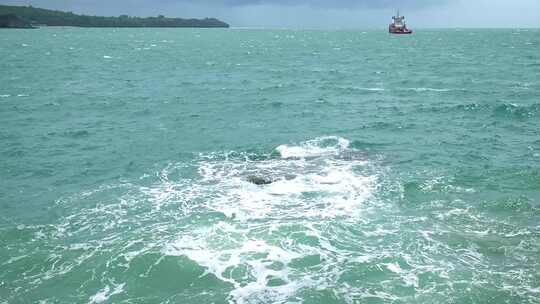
<point x="516" y="111"/>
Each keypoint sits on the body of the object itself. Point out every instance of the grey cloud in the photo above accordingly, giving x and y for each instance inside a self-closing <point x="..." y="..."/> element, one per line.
<point x="342" y="3"/>
<point x="324" y="4"/>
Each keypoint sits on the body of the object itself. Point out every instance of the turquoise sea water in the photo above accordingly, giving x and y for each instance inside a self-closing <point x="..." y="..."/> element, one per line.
<point x="407" y="169"/>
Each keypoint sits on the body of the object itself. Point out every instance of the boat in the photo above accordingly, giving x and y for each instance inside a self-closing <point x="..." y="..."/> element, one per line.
<point x="398" y="25"/>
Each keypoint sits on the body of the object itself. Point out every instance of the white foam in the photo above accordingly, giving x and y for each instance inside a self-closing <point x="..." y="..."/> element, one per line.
<point x="408" y="277"/>
<point x="312" y="184"/>
<point x="106" y="293"/>
<point x="253" y="248"/>
<point x="428" y="90"/>
<point x="221" y="259"/>
<point x="373" y="89"/>
<point x="394" y="267"/>
<point x="107" y="57"/>
<point x="13" y="259"/>
<point x="333" y="186"/>
<point x="314" y="148"/>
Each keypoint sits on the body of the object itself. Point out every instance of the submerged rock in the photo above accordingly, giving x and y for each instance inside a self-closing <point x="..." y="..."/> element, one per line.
<point x="259" y="180"/>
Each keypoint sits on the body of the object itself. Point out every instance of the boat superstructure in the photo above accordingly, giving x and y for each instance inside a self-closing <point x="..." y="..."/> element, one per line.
<point x="398" y="25"/>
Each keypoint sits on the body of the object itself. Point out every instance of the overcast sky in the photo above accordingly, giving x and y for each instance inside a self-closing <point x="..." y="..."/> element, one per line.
<point x="317" y="13"/>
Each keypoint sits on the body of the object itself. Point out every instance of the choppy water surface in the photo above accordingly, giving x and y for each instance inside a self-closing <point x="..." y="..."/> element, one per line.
<point x="406" y="169"/>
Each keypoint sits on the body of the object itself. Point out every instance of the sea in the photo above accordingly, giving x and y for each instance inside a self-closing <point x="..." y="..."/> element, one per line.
<point x="400" y="169"/>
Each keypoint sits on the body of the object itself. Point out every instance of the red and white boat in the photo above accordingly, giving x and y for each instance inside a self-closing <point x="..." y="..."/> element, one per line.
<point x="398" y="25"/>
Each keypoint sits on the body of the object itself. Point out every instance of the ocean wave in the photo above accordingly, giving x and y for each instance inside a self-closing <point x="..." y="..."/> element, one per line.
<point x="330" y="145"/>
<point x="266" y="264"/>
<point x="427" y="90"/>
<point x="520" y="204"/>
<point x="470" y="107"/>
<point x="104" y="294"/>
<point x="353" y="88"/>
<point x="512" y="110"/>
<point x="76" y="133"/>
<point x="505" y="110"/>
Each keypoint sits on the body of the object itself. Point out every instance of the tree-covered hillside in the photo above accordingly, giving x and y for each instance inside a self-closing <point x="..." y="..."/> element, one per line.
<point x="39" y="16"/>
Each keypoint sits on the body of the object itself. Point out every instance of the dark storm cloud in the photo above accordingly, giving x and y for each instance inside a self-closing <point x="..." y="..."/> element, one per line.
<point x="341" y="3"/>
<point x="370" y="4"/>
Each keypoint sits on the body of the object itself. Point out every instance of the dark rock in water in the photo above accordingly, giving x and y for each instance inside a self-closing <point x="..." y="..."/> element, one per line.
<point x="258" y="180"/>
<point x="13" y="21"/>
<point x="353" y="155"/>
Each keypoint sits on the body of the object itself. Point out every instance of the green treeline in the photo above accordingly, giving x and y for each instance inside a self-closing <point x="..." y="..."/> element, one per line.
<point x="39" y="16"/>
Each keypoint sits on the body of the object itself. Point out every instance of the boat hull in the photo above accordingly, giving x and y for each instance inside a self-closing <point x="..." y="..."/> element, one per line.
<point x="402" y="29"/>
<point x="402" y="33"/>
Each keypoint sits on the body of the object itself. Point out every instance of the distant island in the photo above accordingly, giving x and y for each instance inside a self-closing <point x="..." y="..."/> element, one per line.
<point x="29" y="17"/>
<point x="12" y="21"/>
